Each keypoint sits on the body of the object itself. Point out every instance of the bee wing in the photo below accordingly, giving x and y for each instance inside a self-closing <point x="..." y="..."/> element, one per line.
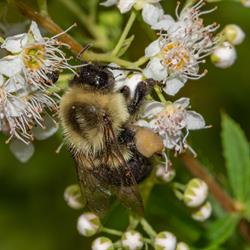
<point x="94" y="191"/>
<point x="127" y="190"/>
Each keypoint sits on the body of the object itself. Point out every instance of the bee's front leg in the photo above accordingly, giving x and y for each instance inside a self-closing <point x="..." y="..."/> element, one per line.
<point x="142" y="89"/>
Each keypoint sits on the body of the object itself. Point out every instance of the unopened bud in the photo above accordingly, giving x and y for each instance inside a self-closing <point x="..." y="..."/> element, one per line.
<point x="88" y="224"/>
<point x="165" y="241"/>
<point x="132" y="240"/>
<point x="203" y="213"/>
<point x="165" y="174"/>
<point x="102" y="243"/>
<point x="246" y="3"/>
<point x="224" y="56"/>
<point x="182" y="246"/>
<point x="73" y="197"/>
<point x="234" y="34"/>
<point x="195" y="193"/>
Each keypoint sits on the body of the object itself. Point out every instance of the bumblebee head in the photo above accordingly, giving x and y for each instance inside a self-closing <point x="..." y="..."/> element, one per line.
<point x="95" y="77"/>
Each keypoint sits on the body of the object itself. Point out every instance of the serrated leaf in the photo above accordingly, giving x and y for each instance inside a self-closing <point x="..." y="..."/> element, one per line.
<point x="236" y="153"/>
<point x="221" y="230"/>
<point x="126" y="44"/>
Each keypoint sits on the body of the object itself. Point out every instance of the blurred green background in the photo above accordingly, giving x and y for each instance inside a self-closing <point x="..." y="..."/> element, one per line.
<point x="33" y="214"/>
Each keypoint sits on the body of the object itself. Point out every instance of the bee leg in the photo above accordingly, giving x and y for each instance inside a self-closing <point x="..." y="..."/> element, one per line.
<point x="141" y="91"/>
<point x="125" y="90"/>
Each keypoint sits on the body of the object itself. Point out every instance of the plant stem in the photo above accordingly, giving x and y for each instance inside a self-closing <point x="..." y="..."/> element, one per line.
<point x="124" y="33"/>
<point x="147" y="228"/>
<point x="159" y="94"/>
<point x="111" y="231"/>
<point x="75" y="47"/>
<point x="43" y="7"/>
<point x="88" y="22"/>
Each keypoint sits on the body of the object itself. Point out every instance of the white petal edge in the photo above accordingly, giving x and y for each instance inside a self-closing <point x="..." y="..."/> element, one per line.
<point x="36" y="32"/>
<point x="151" y="13"/>
<point x="152" y="108"/>
<point x="125" y="5"/>
<point x="21" y="151"/>
<point x="164" y="23"/>
<point x="109" y="3"/>
<point x="153" y="49"/>
<point x="15" y="44"/>
<point x="184" y="102"/>
<point x="155" y="70"/>
<point x="10" y="65"/>
<point x="49" y="130"/>
<point x="195" y="121"/>
<point x="173" y="86"/>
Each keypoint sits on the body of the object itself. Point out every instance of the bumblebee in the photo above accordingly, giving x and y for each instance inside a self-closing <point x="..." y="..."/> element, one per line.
<point x="106" y="147"/>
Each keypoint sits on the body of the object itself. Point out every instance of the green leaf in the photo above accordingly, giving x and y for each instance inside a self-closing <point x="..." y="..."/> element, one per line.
<point x="236" y="153"/>
<point x="126" y="44"/>
<point x="220" y="231"/>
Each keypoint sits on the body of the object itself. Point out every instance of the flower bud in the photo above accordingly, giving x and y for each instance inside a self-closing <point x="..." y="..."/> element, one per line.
<point x="88" y="224"/>
<point x="195" y="193"/>
<point x="102" y="243"/>
<point x="182" y="246"/>
<point x="246" y="3"/>
<point x="234" y="34"/>
<point x="224" y="56"/>
<point x="203" y="213"/>
<point x="132" y="240"/>
<point x="165" y="175"/>
<point x="73" y="197"/>
<point x="165" y="241"/>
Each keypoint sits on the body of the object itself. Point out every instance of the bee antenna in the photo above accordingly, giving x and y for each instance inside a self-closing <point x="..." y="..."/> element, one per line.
<point x="86" y="47"/>
<point x="125" y="69"/>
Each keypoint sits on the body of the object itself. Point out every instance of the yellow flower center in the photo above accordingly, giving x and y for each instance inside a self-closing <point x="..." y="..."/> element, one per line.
<point x="34" y="56"/>
<point x="175" y="56"/>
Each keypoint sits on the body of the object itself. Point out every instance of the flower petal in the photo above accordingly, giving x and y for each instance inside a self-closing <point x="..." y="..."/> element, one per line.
<point x="173" y="86"/>
<point x="35" y="32"/>
<point x="15" y="44"/>
<point x="49" y="130"/>
<point x="151" y="13"/>
<point x="164" y="23"/>
<point x="183" y="102"/>
<point x="195" y="120"/>
<point x="15" y="106"/>
<point x="142" y="123"/>
<point x="132" y="83"/>
<point x="21" y="151"/>
<point x="10" y="65"/>
<point x="125" y="5"/>
<point x="155" y="70"/>
<point x="152" y="108"/>
<point x="109" y="3"/>
<point x="15" y="83"/>
<point x="1" y="80"/>
<point x="153" y="49"/>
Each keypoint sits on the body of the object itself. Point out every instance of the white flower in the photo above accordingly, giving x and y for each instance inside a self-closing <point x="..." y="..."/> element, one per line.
<point x="224" y="56"/>
<point x="88" y="224"/>
<point x="182" y="246"/>
<point x="196" y="193"/>
<point x="38" y="59"/>
<point x="175" y="56"/>
<point x="234" y="34"/>
<point x="203" y="213"/>
<point x="21" y="107"/>
<point x="102" y="243"/>
<point x="73" y="197"/>
<point x="165" y="241"/>
<point x="132" y="240"/>
<point x="172" y="121"/>
<point x="246" y="3"/>
<point x="151" y="10"/>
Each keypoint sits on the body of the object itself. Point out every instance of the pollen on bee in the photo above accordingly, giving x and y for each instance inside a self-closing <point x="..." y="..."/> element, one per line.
<point x="147" y="142"/>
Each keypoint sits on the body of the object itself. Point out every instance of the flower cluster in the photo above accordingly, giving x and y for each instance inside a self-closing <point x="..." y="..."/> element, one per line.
<point x="33" y="65"/>
<point x="89" y="224"/>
